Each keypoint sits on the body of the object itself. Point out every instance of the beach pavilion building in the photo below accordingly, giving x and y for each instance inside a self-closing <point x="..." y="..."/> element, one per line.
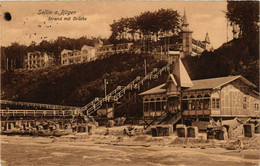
<point x="199" y="101"/>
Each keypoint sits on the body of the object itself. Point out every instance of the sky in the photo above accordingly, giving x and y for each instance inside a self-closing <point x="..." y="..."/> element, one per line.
<point x="31" y="20"/>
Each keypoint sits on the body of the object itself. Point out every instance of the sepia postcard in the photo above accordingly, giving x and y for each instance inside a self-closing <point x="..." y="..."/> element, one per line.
<point x="129" y="83"/>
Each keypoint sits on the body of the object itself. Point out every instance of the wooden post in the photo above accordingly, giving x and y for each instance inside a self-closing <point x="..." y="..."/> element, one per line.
<point x="155" y="110"/>
<point x="105" y="83"/>
<point x="14" y="63"/>
<point x="161" y="52"/>
<point x="6" y="63"/>
<point x="106" y="110"/>
<point x="149" y="104"/>
<point x="145" y="70"/>
<point x="143" y="113"/>
<point x="161" y="107"/>
<point x="11" y="65"/>
<point x="113" y="109"/>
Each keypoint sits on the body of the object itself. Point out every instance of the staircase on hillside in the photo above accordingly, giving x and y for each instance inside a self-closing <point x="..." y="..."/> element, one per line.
<point x="120" y="91"/>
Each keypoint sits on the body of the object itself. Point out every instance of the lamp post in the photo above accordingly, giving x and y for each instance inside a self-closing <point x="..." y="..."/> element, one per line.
<point x="105" y="83"/>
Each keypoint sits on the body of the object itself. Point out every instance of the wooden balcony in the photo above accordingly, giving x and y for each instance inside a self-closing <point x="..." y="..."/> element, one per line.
<point x="201" y="112"/>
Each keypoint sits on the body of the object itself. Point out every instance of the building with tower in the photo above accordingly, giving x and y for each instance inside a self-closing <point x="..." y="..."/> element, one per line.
<point x="184" y="42"/>
<point x="181" y="41"/>
<point x="189" y="45"/>
<point x="186" y="36"/>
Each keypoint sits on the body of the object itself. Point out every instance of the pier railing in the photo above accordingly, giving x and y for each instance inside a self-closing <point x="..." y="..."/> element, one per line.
<point x="34" y="113"/>
<point x="37" y="105"/>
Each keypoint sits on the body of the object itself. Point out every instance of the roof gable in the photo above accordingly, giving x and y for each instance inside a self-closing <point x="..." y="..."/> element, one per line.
<point x="181" y="75"/>
<point x="172" y="79"/>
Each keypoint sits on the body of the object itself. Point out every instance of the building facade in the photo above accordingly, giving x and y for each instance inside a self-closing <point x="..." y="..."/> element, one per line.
<point x="201" y="100"/>
<point x="86" y="54"/>
<point x="37" y="60"/>
<point x="103" y="51"/>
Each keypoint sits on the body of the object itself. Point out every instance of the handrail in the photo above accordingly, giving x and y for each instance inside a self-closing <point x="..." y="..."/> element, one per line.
<point x="38" y="112"/>
<point x="48" y="106"/>
<point x="120" y="91"/>
<point x="91" y="106"/>
<point x="156" y="120"/>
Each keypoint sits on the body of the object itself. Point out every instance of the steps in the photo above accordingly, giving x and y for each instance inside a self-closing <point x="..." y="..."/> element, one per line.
<point x="120" y="91"/>
<point x="163" y="120"/>
<point x="156" y="121"/>
<point x="174" y="119"/>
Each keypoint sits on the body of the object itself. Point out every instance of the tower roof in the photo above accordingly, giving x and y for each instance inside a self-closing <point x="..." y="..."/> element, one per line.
<point x="207" y="38"/>
<point x="185" y="24"/>
<point x="184" y="19"/>
<point x="181" y="75"/>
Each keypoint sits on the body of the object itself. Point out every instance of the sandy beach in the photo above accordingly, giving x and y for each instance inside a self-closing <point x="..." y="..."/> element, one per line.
<point x="118" y="149"/>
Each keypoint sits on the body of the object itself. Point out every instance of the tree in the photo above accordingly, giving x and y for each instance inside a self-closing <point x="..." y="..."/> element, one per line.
<point x="14" y="54"/>
<point x="149" y="25"/>
<point x="245" y="14"/>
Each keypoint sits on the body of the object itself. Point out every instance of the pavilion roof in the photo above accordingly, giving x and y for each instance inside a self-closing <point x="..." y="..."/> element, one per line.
<point x="155" y="90"/>
<point x="211" y="83"/>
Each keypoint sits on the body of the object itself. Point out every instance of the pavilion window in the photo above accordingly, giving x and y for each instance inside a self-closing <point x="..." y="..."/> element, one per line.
<point x="201" y="104"/>
<point x="146" y="107"/>
<point x="244" y="102"/>
<point x="164" y="103"/>
<point x="213" y="103"/>
<point x="217" y="103"/>
<point x="193" y="104"/>
<point x="206" y="103"/>
<point x="152" y="105"/>
<point x="158" y="104"/>
<point x="198" y="103"/>
<point x="189" y="104"/>
<point x="256" y="107"/>
<point x="185" y="105"/>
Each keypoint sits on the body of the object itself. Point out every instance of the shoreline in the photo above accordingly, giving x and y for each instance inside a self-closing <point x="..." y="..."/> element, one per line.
<point x="117" y="148"/>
